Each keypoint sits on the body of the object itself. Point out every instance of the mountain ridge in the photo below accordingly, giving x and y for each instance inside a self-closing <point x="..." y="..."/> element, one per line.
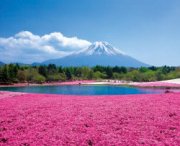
<point x="100" y="48"/>
<point x="1" y="63"/>
<point x="98" y="53"/>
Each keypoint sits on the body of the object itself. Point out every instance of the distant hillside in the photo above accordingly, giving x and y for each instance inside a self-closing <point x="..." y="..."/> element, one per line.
<point x="1" y="63"/>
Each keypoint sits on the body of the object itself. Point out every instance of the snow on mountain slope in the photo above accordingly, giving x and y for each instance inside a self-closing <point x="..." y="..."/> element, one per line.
<point x="100" y="48"/>
<point x="98" y="53"/>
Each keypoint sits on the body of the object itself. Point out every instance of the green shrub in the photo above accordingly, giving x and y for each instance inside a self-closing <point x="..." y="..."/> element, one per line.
<point x="39" y="79"/>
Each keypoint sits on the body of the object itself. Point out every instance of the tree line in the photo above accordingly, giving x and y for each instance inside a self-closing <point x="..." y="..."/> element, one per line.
<point x="15" y="73"/>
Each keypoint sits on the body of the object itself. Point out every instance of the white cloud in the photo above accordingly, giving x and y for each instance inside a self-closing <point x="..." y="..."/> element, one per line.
<point x="27" y="48"/>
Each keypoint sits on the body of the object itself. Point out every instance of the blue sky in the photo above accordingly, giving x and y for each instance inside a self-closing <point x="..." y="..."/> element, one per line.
<point x="148" y="30"/>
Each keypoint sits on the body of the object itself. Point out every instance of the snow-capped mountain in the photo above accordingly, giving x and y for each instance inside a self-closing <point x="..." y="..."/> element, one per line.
<point x="98" y="53"/>
<point x="100" y="48"/>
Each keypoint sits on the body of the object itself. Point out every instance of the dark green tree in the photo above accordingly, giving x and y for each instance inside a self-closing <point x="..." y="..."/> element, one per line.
<point x="109" y="72"/>
<point x="52" y="68"/>
<point x="4" y="75"/>
<point x="68" y="74"/>
<point x="43" y="70"/>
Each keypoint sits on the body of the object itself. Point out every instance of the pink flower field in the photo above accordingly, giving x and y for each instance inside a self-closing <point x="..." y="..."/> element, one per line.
<point x="156" y="84"/>
<point x="54" y="120"/>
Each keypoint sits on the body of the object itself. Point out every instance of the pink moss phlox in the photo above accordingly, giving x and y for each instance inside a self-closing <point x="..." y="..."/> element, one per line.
<point x="40" y="119"/>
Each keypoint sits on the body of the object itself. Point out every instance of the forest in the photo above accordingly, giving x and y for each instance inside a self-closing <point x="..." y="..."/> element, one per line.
<point x="15" y="73"/>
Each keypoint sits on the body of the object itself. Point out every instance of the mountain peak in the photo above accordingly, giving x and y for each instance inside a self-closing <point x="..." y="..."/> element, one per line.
<point x="98" y="53"/>
<point x="100" y="43"/>
<point x="100" y="48"/>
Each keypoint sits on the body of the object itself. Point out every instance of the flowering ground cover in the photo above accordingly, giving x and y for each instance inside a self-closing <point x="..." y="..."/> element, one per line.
<point x="155" y="84"/>
<point x="39" y="119"/>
